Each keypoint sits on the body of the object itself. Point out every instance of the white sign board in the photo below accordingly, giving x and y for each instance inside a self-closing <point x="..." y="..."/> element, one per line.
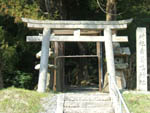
<point x="141" y="59"/>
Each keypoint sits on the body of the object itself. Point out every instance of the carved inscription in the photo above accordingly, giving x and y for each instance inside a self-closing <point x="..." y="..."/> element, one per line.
<point x="141" y="50"/>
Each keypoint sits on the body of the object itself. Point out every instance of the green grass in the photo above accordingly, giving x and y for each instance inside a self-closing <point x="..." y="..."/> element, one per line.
<point x="14" y="100"/>
<point x="137" y="103"/>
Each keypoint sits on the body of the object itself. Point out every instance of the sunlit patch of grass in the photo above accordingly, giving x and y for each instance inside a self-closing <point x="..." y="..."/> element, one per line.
<point x="14" y="100"/>
<point x="137" y="103"/>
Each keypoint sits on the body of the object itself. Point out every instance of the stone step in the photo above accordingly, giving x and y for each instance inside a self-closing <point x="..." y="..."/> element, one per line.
<point x="87" y="104"/>
<point x="85" y="97"/>
<point x="88" y="110"/>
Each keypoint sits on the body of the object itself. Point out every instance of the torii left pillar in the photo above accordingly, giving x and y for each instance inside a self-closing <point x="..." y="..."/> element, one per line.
<point x="44" y="60"/>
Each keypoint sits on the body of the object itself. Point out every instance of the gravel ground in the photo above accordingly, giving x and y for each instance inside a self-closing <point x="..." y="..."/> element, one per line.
<point x="49" y="104"/>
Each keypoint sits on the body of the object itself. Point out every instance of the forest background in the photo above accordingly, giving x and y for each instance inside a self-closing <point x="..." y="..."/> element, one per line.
<point x="17" y="57"/>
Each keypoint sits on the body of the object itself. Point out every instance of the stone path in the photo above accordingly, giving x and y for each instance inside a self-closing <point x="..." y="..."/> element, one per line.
<point x="84" y="100"/>
<point x="49" y="104"/>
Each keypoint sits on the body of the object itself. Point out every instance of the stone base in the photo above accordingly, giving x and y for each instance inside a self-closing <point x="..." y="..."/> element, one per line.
<point x="106" y="84"/>
<point x="120" y="79"/>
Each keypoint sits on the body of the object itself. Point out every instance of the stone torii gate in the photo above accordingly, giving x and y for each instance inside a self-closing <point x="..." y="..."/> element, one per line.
<point x="75" y="31"/>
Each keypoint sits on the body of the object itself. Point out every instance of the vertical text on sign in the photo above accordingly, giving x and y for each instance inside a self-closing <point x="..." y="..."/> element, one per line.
<point x="141" y="59"/>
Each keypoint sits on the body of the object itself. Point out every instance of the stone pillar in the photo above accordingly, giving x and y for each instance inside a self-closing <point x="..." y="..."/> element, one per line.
<point x="141" y="59"/>
<point x="109" y="52"/>
<point x="44" y="61"/>
<point x="110" y="64"/>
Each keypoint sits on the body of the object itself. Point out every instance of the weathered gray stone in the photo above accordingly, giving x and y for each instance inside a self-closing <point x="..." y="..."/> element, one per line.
<point x="37" y="67"/>
<point x="106" y="83"/>
<point x="60" y="103"/>
<point x="141" y="47"/>
<point x="38" y="55"/>
<point x="82" y="97"/>
<point x="121" y="66"/>
<point x="116" y="45"/>
<point x="126" y="51"/>
<point x="88" y="110"/>
<point x="122" y="51"/>
<point x="67" y="22"/>
<point x="87" y="103"/>
<point x="44" y="60"/>
<point x="68" y="38"/>
<point x="120" y="79"/>
<point x="49" y="104"/>
<point x="77" y="24"/>
<point x="119" y="60"/>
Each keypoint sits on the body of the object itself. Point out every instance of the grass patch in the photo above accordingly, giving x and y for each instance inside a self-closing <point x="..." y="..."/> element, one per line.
<point x="137" y="103"/>
<point x="14" y="100"/>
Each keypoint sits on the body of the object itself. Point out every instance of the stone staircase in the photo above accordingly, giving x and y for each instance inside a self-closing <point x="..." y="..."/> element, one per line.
<point x="87" y="103"/>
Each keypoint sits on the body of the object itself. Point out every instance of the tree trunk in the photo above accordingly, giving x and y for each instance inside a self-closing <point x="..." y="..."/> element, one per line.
<point x="111" y="10"/>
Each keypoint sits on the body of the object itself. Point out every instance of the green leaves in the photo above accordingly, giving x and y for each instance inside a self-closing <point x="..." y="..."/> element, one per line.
<point x="22" y="79"/>
<point x="20" y="8"/>
<point x="7" y="53"/>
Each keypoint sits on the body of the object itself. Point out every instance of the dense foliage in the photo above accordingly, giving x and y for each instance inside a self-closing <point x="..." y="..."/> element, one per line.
<point x="17" y="58"/>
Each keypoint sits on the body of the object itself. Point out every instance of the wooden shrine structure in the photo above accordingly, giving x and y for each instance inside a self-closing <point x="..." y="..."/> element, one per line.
<point x="76" y="31"/>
